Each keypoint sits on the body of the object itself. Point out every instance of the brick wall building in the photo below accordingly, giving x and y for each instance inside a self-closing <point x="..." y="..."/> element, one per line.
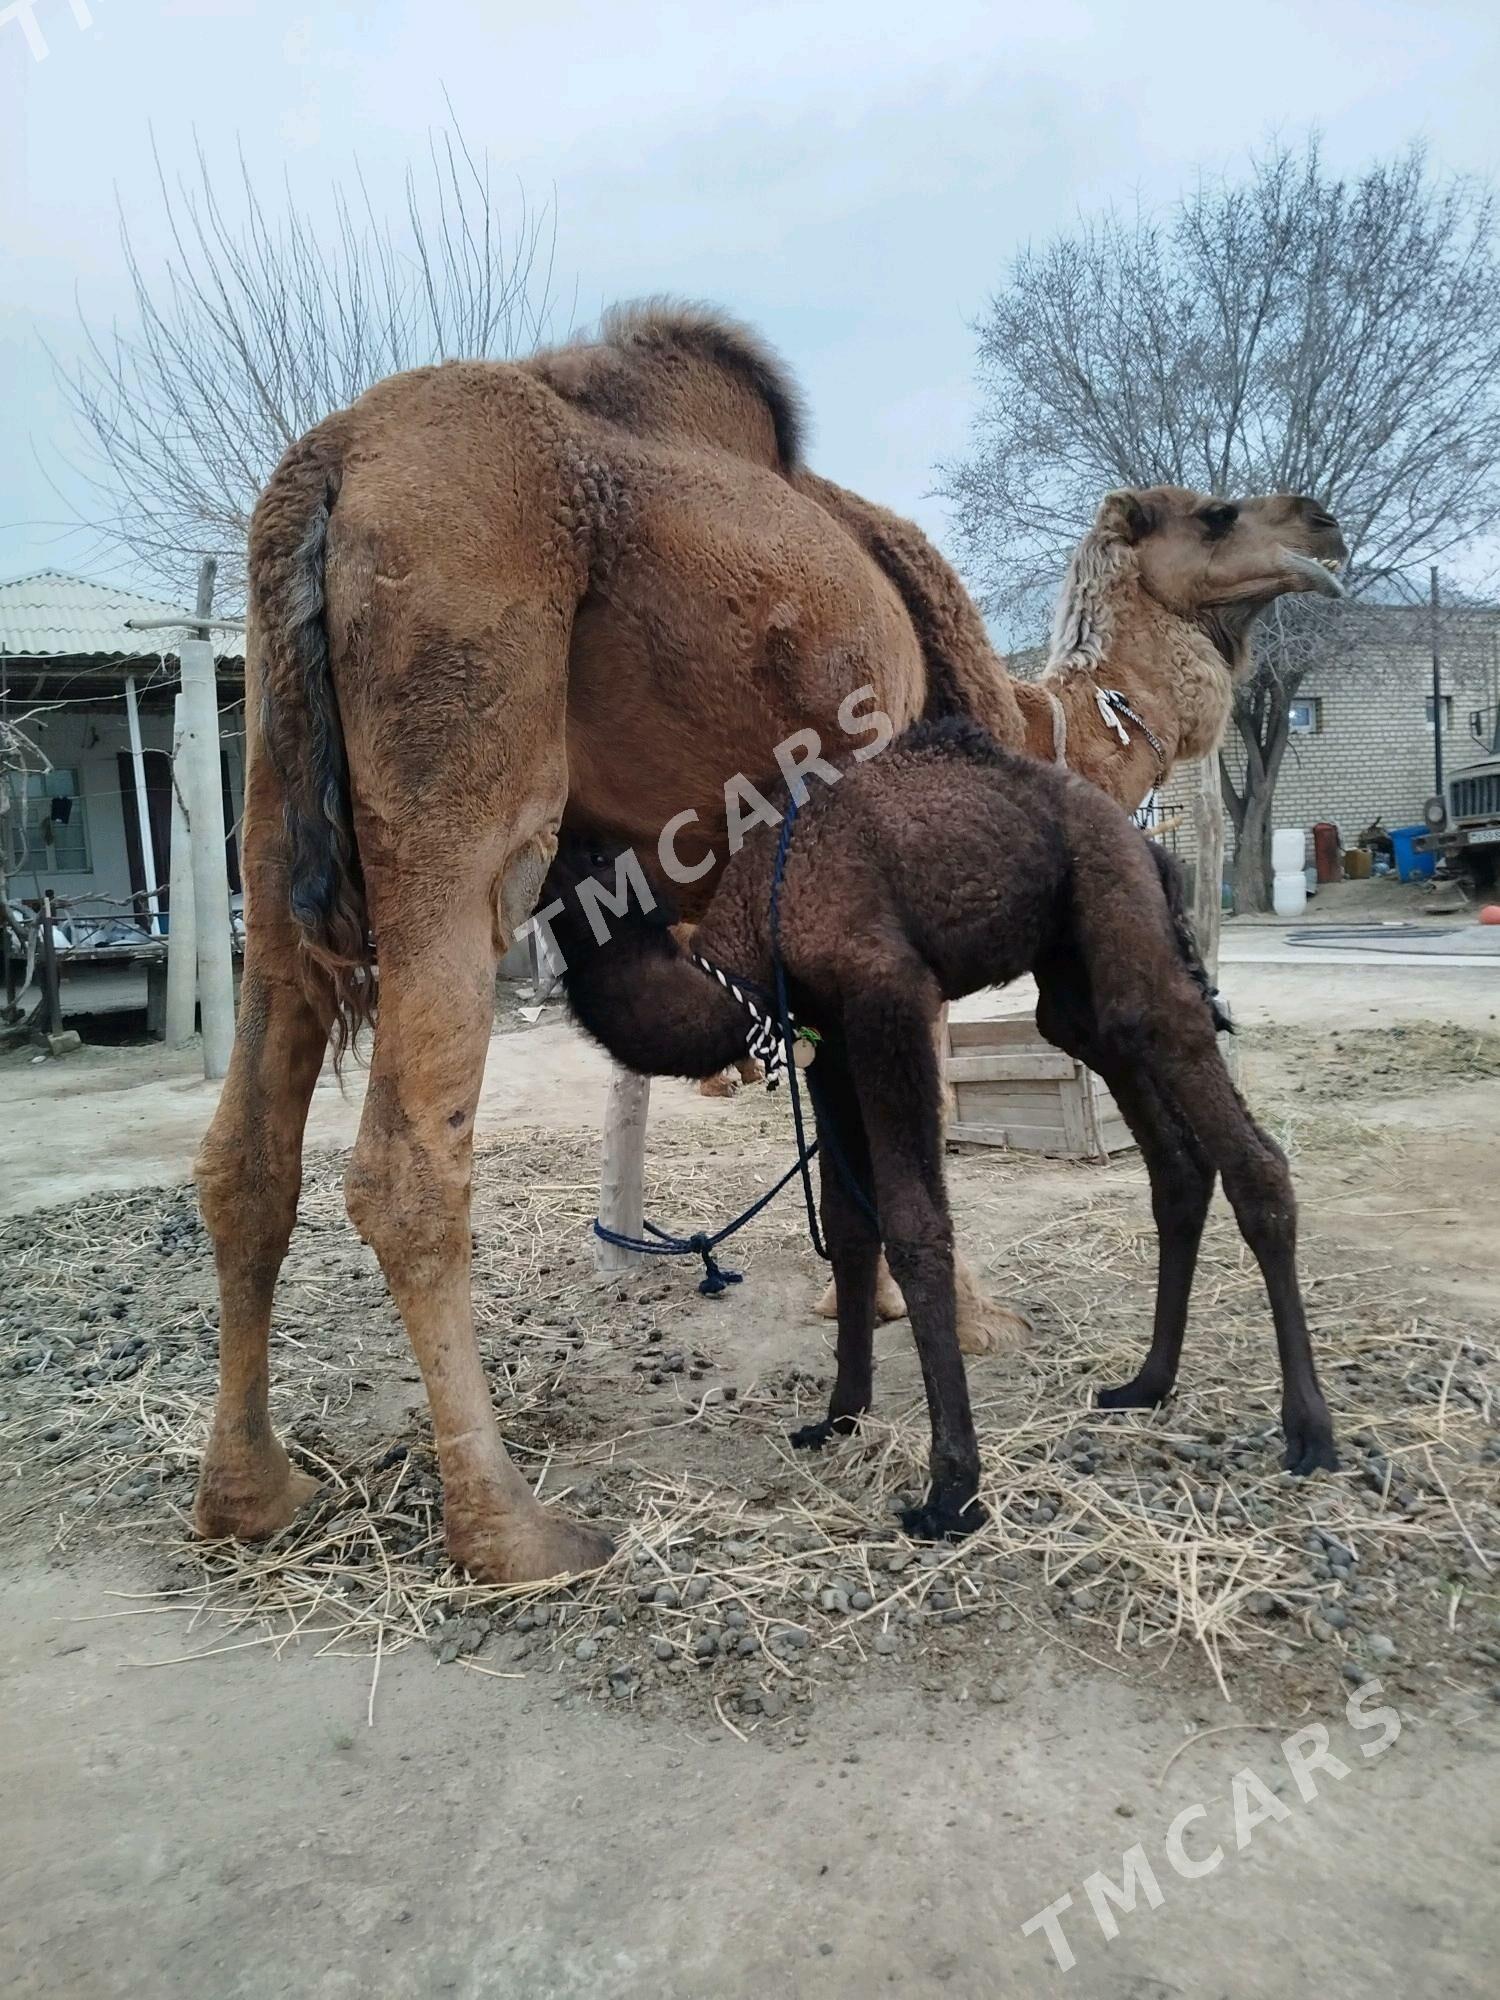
<point x="1361" y="744"/>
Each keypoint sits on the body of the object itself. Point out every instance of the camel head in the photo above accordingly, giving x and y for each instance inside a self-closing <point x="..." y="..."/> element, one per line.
<point x="1218" y="563"/>
<point x="595" y="868"/>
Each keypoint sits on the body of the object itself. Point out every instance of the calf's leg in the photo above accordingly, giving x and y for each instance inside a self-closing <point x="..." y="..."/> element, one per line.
<point x="984" y="1325"/>
<point x="1181" y="1059"/>
<point x="890" y="1048"/>
<point x="852" y="1239"/>
<point x="1182" y="1177"/>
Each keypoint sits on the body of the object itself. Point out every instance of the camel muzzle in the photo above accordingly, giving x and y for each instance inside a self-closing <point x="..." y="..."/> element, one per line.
<point x="1318" y="572"/>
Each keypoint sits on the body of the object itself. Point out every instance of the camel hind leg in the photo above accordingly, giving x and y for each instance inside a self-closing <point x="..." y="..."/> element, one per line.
<point x="445" y="895"/>
<point x="249" y="1175"/>
<point x="1153" y="1020"/>
<point x="1182" y="1177"/>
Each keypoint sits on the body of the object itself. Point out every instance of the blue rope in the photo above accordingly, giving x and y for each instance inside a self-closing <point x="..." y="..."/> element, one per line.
<point x="716" y="1278"/>
<point x="660" y="1242"/>
<point x="784" y="1022"/>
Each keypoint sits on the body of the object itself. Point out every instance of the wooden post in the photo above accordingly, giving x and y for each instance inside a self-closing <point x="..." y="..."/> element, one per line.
<point x="203" y="788"/>
<point x="1208" y="878"/>
<point x="10" y="937"/>
<point x="142" y="811"/>
<point x="51" y="991"/>
<point x="622" y="1178"/>
<point x="182" y="935"/>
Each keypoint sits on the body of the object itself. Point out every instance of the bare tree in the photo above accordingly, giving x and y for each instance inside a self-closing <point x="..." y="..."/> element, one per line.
<point x="265" y="320"/>
<point x="1293" y="331"/>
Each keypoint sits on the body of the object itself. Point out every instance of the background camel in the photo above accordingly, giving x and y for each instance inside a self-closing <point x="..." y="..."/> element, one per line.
<point x="1151" y="631"/>
<point x="485" y="595"/>
<point x="943" y="866"/>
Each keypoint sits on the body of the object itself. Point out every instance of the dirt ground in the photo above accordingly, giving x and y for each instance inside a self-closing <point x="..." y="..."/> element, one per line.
<point x="775" y="1750"/>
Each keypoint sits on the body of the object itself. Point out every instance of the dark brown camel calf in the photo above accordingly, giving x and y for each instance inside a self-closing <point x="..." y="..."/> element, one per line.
<point x="941" y="867"/>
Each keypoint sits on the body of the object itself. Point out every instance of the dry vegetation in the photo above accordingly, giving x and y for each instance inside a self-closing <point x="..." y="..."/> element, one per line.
<point x="747" y="1576"/>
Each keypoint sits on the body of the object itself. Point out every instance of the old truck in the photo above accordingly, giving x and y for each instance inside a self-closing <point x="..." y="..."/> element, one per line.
<point x="1463" y="820"/>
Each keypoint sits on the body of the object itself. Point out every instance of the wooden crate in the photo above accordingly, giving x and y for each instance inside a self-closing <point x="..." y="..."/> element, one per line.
<point x="1011" y="1088"/>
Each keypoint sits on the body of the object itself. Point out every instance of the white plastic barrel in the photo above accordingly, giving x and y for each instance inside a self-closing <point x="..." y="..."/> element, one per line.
<point x="1288" y="850"/>
<point x="1289" y="893"/>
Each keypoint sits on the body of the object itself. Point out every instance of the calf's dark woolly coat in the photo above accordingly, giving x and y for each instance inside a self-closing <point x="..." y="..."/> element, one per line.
<point x="943" y="866"/>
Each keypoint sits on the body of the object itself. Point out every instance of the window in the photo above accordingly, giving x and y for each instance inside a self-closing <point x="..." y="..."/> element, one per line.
<point x="1306" y="716"/>
<point x="53" y="823"/>
<point x="1447" y="712"/>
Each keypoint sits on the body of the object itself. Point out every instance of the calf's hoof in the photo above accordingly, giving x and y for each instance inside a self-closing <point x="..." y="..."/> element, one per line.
<point x="527" y="1548"/>
<point x="943" y="1519"/>
<point x="1309" y="1446"/>
<point x="1140" y="1393"/>
<point x="813" y="1437"/>
<point x="245" y="1496"/>
<point x="889" y="1303"/>
<point x="725" y="1084"/>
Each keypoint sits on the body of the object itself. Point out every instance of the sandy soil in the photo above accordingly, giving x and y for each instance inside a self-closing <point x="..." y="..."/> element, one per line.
<point x="237" y="1824"/>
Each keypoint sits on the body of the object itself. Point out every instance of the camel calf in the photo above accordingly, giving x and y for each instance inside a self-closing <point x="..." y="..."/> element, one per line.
<point x="943" y="866"/>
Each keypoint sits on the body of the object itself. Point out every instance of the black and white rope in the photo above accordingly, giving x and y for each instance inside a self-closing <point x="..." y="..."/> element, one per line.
<point x="764" y="1041"/>
<point x="1112" y="706"/>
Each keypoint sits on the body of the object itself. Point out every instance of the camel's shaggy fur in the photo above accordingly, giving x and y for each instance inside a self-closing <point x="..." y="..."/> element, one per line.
<point x="943" y="866"/>
<point x="488" y="595"/>
<point x="1158" y="603"/>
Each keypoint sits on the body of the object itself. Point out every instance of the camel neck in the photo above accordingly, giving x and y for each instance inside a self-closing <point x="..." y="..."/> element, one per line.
<point x="1167" y="671"/>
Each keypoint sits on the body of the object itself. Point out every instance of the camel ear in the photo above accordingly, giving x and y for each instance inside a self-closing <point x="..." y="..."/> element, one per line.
<point x="1126" y="516"/>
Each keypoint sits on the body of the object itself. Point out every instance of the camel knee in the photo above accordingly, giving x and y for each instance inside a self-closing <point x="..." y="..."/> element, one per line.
<point x="1259" y="1187"/>
<point x="246" y="1195"/>
<point x="1180" y="1198"/>
<point x="408" y="1204"/>
<point x="920" y="1254"/>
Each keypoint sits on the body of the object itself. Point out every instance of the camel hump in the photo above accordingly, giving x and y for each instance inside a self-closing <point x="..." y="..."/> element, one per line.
<point x="647" y="327"/>
<point x="661" y="366"/>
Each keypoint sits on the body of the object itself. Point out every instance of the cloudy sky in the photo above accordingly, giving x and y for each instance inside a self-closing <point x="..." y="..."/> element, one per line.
<point x="850" y="175"/>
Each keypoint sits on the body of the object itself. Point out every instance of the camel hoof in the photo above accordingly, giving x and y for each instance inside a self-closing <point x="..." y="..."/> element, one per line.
<point x="1309" y="1446"/>
<point x="986" y="1327"/>
<point x="1136" y="1394"/>
<point x="944" y="1520"/>
<point x="531" y="1549"/>
<point x="813" y="1437"/>
<point x="245" y="1499"/>
<point x="889" y="1303"/>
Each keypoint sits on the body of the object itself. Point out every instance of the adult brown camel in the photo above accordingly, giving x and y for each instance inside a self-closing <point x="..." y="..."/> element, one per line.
<point x="485" y="591"/>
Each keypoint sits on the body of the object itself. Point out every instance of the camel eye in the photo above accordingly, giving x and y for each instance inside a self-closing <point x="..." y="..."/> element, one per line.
<point x="1219" y="518"/>
<point x="598" y="859"/>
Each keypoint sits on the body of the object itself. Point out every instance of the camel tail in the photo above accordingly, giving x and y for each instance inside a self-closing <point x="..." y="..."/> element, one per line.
<point x="1170" y="871"/>
<point x="304" y="739"/>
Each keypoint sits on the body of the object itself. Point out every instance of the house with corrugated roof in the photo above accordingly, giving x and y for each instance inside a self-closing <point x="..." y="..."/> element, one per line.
<point x="89" y="676"/>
